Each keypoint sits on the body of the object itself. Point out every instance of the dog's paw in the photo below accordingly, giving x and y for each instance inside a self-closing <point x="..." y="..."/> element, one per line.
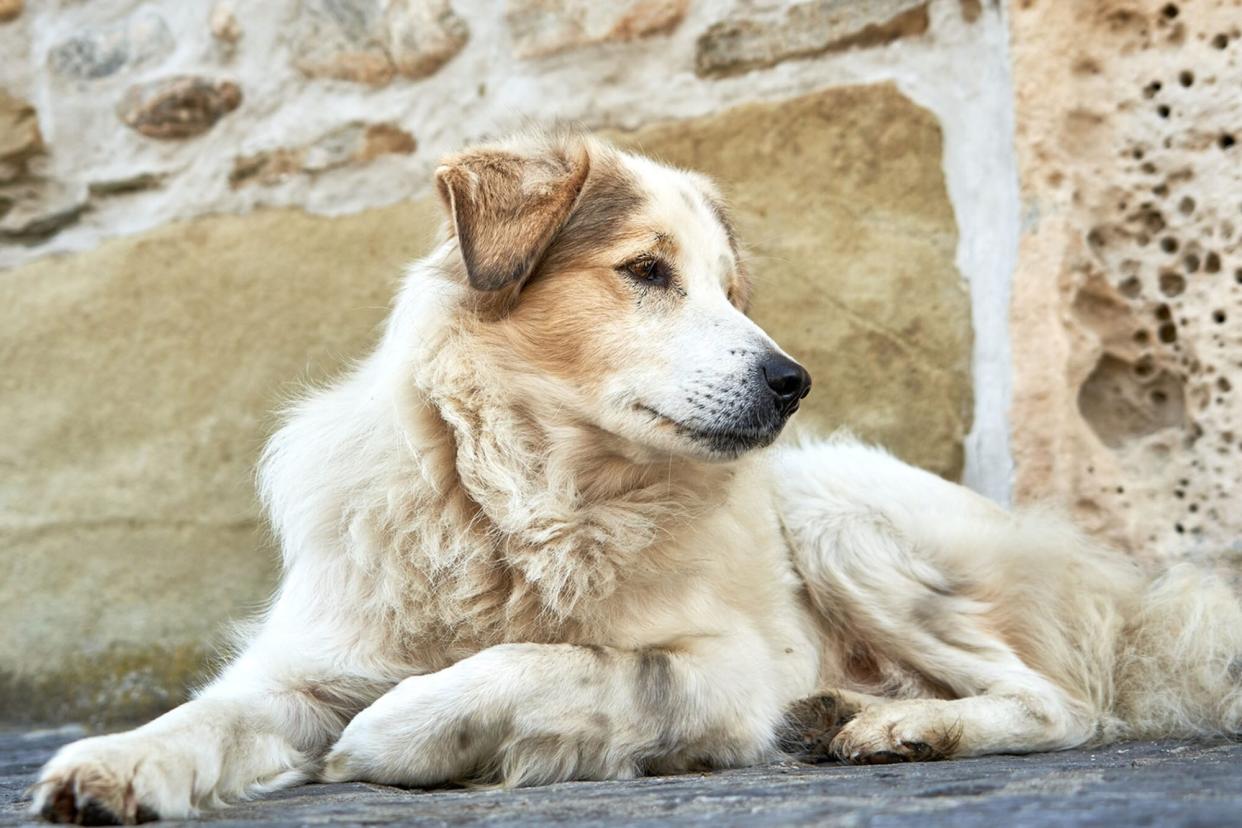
<point x="812" y="723"/>
<point x="903" y="731"/>
<point x="112" y="780"/>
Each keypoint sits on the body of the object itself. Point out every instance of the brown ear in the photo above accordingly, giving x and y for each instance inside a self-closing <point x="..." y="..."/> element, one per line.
<point x="508" y="203"/>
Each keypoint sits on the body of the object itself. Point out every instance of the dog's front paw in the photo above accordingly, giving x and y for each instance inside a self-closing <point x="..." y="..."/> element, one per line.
<point x="904" y="731"/>
<point x="112" y="780"/>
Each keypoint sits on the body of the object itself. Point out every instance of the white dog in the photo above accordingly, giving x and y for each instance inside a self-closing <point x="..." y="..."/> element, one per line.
<point x="533" y="538"/>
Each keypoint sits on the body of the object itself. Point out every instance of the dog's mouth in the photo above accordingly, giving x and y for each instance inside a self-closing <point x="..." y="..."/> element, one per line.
<point x="719" y="440"/>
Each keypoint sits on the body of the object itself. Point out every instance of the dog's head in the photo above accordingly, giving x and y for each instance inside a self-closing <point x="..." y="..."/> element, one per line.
<point x="611" y="289"/>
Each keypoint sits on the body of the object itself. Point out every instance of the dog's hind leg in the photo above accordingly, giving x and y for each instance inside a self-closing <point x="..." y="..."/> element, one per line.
<point x="878" y="589"/>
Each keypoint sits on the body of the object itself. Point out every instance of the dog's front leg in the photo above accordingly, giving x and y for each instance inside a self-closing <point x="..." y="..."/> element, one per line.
<point x="529" y="714"/>
<point x="263" y="725"/>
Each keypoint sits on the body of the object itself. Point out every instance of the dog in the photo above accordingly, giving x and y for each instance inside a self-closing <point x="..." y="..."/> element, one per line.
<point x="543" y="533"/>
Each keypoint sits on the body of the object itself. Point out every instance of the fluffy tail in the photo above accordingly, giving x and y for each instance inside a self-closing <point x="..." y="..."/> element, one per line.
<point x="1179" y="667"/>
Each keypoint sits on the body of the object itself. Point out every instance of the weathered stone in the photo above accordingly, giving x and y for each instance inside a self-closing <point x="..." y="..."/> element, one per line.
<point x="753" y="41"/>
<point x="223" y="22"/>
<point x="1175" y="784"/>
<point x="853" y="240"/>
<point x="178" y="107"/>
<point x="422" y="35"/>
<point x="139" y="381"/>
<point x="10" y="10"/>
<point x="372" y="41"/>
<point x="351" y="144"/>
<point x="37" y="209"/>
<point x="971" y="10"/>
<point x="1128" y="293"/>
<point x="129" y="184"/>
<point x="385" y="139"/>
<point x="141" y="40"/>
<point x="355" y="143"/>
<point x="20" y="139"/>
<point x="544" y="27"/>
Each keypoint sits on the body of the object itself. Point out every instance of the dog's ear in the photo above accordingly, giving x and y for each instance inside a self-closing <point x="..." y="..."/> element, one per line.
<point x="507" y="203"/>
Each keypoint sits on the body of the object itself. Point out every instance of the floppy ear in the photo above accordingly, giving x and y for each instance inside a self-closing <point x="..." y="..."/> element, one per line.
<point x="507" y="204"/>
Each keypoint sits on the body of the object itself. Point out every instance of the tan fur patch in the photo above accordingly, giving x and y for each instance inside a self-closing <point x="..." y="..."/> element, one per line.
<point x="508" y="205"/>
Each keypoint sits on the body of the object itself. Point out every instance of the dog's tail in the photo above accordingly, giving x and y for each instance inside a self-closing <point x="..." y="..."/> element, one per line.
<point x="1179" y="659"/>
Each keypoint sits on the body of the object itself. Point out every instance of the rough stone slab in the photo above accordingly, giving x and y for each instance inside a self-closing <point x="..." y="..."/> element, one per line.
<point x="1143" y="783"/>
<point x="749" y="41"/>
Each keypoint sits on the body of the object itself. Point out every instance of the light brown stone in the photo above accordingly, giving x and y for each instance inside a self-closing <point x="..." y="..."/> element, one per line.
<point x="355" y="143"/>
<point x="756" y="39"/>
<point x="178" y="107"/>
<point x="373" y="41"/>
<point x="545" y="27"/>
<point x="223" y="22"/>
<point x="140" y="377"/>
<point x="10" y="10"/>
<point x="20" y="139"/>
<point x="852" y="242"/>
<point x="140" y="380"/>
<point x="1127" y="306"/>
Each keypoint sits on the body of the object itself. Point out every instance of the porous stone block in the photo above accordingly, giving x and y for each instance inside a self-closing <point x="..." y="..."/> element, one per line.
<point x="1127" y="309"/>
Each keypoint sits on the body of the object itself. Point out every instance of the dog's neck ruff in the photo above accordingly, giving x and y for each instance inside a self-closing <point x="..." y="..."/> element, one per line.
<point x="568" y="522"/>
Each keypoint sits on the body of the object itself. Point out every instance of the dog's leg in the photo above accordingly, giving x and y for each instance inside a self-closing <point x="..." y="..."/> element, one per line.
<point x="527" y="714"/>
<point x="908" y="730"/>
<point x="893" y="597"/>
<point x="263" y="725"/>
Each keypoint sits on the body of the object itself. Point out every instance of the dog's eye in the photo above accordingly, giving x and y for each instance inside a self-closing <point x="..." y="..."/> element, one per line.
<point x="648" y="271"/>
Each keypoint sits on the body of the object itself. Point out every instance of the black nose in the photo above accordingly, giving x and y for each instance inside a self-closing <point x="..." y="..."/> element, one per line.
<point x="788" y="380"/>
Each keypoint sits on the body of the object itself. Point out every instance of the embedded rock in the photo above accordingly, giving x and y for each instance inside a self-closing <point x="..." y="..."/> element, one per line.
<point x="545" y="27"/>
<point x="355" y="143"/>
<point x="32" y="210"/>
<point x="141" y="40"/>
<point x="178" y="107"/>
<point x="20" y="139"/>
<point x="223" y="22"/>
<point x="745" y="42"/>
<point x="373" y="41"/>
<point x="10" y="10"/>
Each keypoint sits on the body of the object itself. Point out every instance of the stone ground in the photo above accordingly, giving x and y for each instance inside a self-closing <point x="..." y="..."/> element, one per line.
<point x="1135" y="784"/>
